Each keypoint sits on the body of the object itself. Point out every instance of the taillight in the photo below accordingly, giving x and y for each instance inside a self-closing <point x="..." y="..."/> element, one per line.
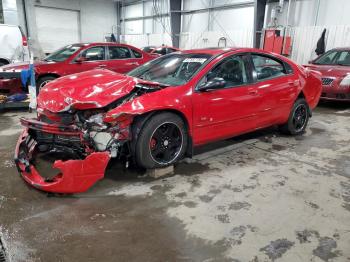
<point x="24" y="38"/>
<point x="24" y="41"/>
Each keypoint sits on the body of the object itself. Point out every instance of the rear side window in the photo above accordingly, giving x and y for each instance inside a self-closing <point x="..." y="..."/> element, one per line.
<point x="136" y="54"/>
<point x="267" y="67"/>
<point x="119" y="52"/>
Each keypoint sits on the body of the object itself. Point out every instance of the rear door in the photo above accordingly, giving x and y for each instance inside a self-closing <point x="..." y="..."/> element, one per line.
<point x="277" y="86"/>
<point x="229" y="111"/>
<point x="121" y="59"/>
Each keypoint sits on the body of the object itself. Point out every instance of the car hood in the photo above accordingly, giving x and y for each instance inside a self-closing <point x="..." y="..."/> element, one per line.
<point x="330" y="70"/>
<point x="88" y="90"/>
<point x="23" y="65"/>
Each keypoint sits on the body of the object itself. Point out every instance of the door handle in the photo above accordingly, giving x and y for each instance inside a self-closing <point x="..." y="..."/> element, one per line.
<point x="133" y="63"/>
<point x="293" y="83"/>
<point x="252" y="92"/>
<point x="102" y="66"/>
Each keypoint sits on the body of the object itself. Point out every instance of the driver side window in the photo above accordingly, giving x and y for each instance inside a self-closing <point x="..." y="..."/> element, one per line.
<point x="95" y="53"/>
<point x="232" y="70"/>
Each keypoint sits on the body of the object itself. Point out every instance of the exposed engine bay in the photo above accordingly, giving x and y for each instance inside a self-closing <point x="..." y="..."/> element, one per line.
<point x="96" y="134"/>
<point x="82" y="138"/>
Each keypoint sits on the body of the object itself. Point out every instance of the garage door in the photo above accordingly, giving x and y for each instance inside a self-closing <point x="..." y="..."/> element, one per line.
<point x="56" y="27"/>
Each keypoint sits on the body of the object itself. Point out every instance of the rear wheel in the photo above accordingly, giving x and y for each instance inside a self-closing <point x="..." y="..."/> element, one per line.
<point x="162" y="141"/>
<point x="298" y="118"/>
<point x="43" y="81"/>
<point x="3" y="62"/>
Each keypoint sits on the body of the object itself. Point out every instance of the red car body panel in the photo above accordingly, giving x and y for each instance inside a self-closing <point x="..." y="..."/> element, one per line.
<point x="69" y="66"/>
<point x="75" y="176"/>
<point x="210" y="116"/>
<point x="331" y="89"/>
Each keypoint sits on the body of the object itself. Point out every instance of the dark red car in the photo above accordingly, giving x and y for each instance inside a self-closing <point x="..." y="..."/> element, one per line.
<point x="77" y="58"/>
<point x="335" y="69"/>
<point x="157" y="113"/>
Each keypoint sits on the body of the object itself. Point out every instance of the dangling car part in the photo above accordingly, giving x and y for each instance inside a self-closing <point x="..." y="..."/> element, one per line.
<point x="157" y="113"/>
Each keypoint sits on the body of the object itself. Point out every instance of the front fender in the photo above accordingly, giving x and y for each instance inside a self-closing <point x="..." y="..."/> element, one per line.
<point x="150" y="103"/>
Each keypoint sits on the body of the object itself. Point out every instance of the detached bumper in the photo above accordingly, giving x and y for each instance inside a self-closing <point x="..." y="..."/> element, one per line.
<point x="75" y="176"/>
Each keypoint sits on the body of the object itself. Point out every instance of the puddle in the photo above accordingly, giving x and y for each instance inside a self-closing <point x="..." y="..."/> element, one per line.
<point x="277" y="248"/>
<point x="189" y="169"/>
<point x="316" y="130"/>
<point x="278" y="147"/>
<point x="325" y="247"/>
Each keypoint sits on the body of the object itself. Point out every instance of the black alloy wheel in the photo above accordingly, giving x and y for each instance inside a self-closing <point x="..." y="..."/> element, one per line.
<point x="165" y="143"/>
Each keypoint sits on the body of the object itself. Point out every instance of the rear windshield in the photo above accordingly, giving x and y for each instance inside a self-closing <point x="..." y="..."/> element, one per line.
<point x="63" y="53"/>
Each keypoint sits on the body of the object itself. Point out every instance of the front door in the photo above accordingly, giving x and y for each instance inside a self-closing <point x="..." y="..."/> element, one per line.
<point x="231" y="110"/>
<point x="91" y="58"/>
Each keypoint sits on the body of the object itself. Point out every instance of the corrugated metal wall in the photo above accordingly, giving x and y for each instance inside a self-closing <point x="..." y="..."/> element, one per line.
<point x="305" y="40"/>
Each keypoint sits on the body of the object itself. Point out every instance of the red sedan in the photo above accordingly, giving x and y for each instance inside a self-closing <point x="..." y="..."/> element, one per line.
<point x="157" y="113"/>
<point x="335" y="69"/>
<point x="77" y="58"/>
<point x="159" y="51"/>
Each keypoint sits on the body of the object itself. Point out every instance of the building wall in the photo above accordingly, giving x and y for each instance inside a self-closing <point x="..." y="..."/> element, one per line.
<point x="10" y="12"/>
<point x="307" y="20"/>
<point x="312" y="13"/>
<point x="98" y="18"/>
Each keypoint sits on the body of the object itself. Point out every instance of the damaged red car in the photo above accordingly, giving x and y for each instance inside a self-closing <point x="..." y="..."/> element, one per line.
<point x="157" y="113"/>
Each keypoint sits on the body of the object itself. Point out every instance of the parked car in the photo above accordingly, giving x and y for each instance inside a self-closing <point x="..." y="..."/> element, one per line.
<point x="13" y="43"/>
<point x="160" y="111"/>
<point x="77" y="58"/>
<point x="334" y="66"/>
<point x="159" y="51"/>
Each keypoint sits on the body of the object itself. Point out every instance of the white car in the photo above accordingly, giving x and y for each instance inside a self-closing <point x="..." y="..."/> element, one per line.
<point x="13" y="45"/>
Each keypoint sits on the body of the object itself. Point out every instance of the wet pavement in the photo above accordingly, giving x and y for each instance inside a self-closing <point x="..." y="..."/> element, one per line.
<point x="258" y="197"/>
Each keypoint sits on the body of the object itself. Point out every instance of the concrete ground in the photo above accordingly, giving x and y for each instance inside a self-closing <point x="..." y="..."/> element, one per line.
<point x="260" y="197"/>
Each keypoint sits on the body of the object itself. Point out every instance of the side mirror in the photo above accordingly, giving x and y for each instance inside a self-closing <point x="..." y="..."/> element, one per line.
<point x="81" y="59"/>
<point x="215" y="83"/>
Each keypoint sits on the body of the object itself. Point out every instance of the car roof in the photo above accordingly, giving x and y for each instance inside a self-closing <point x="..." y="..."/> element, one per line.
<point x="341" y="49"/>
<point x="104" y="43"/>
<point x="220" y="50"/>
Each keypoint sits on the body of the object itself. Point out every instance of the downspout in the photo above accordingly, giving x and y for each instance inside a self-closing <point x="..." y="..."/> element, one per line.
<point x="288" y="12"/>
<point x="317" y="12"/>
<point x="25" y="17"/>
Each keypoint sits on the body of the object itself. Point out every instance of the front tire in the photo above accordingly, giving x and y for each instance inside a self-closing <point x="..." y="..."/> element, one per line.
<point x="298" y="118"/>
<point x="43" y="81"/>
<point x="162" y="141"/>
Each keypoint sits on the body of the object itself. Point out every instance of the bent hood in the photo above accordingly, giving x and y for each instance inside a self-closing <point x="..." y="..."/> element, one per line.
<point x="330" y="70"/>
<point x="88" y="90"/>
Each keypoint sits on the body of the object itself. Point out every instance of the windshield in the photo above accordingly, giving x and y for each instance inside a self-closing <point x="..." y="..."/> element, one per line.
<point x="63" y="53"/>
<point x="173" y="70"/>
<point x="334" y="58"/>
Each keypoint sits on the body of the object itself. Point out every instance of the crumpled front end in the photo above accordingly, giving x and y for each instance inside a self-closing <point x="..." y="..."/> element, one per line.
<point x="81" y="133"/>
<point x="82" y="170"/>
